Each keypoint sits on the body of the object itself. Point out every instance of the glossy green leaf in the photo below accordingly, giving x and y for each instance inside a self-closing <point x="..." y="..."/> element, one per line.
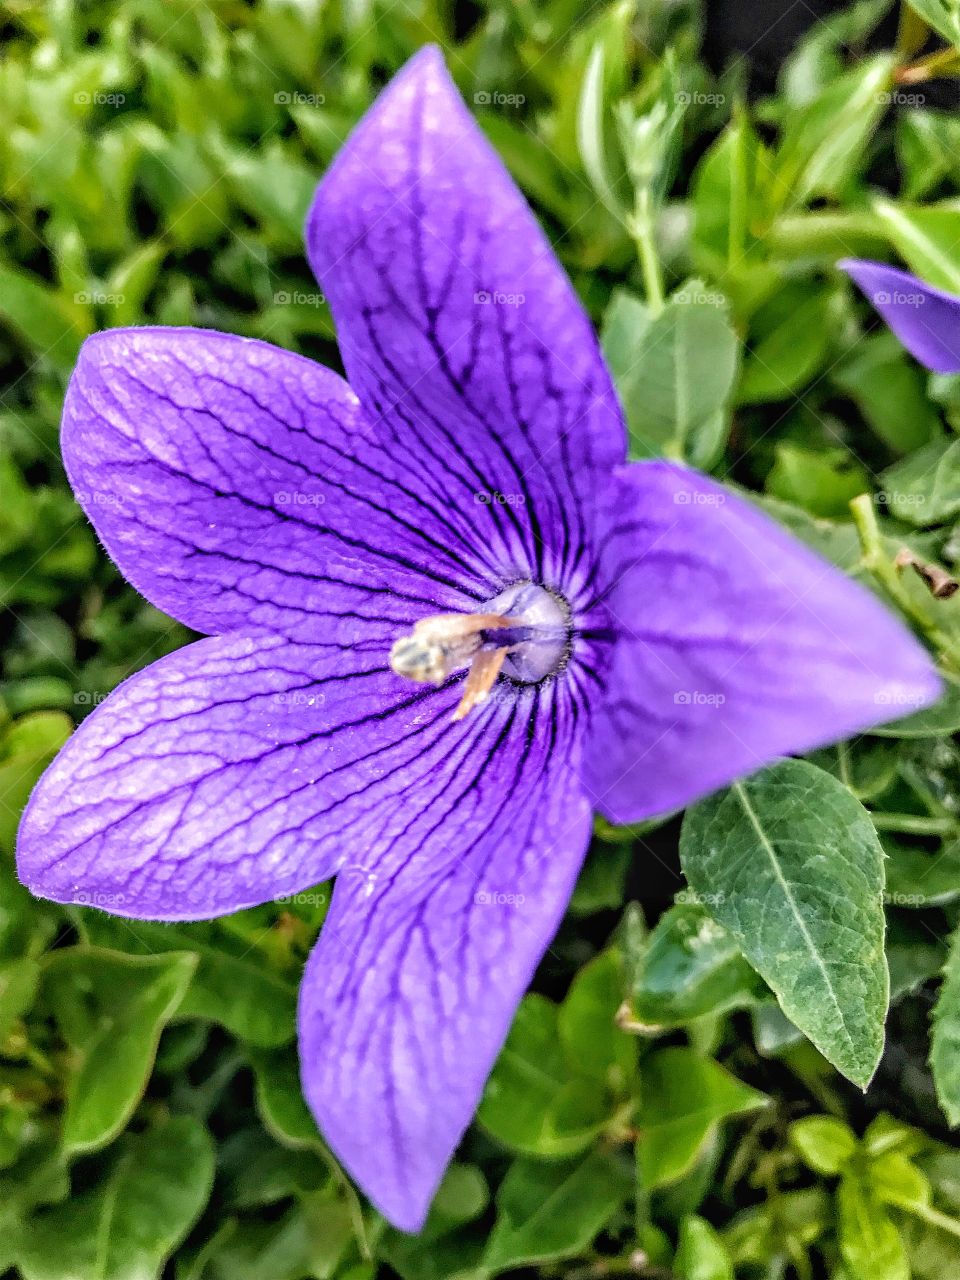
<point x="926" y="237"/>
<point x="238" y="991"/>
<point x="550" y="1211"/>
<point x="690" y="967"/>
<point x="534" y="1102"/>
<point x="825" y="1144"/>
<point x="684" y="1097"/>
<point x="129" y="1222"/>
<point x="111" y="1009"/>
<point x="869" y="1241"/>
<point x="700" y="1253"/>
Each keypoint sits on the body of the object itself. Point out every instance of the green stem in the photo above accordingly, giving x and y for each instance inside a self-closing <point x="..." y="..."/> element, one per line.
<point x="878" y="563"/>
<point x="934" y="1217"/>
<point x="843" y="760"/>
<point x="827" y="235"/>
<point x="643" y="231"/>
<point x="914" y="824"/>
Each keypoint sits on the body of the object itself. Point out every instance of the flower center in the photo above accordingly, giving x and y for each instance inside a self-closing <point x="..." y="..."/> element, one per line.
<point x="523" y="632"/>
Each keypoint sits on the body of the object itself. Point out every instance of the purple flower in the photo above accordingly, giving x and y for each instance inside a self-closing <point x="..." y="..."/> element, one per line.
<point x="925" y="319"/>
<point x="445" y="622"/>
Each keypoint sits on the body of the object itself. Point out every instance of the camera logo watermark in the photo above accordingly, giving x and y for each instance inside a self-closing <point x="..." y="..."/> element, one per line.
<point x="494" y="298"/>
<point x="494" y="98"/>
<point x="698" y="698"/>
<point x="294" y="98"/>
<point x="95" y="98"/>
<point x="283" y="298"/>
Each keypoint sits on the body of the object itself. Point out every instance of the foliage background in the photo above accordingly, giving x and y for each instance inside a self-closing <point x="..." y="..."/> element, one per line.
<point x="655" y="1112"/>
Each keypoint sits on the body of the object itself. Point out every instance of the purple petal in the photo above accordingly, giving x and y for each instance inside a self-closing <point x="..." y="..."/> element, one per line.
<point x="456" y="321"/>
<point x="737" y="645"/>
<point x="925" y="319"/>
<point x="431" y="940"/>
<point x="238" y="486"/>
<point x="236" y="770"/>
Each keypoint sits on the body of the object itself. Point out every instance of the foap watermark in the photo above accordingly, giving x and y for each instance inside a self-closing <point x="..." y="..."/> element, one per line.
<point x="904" y="500"/>
<point x="496" y="298"/>
<point x="699" y="298"/>
<point x="690" y="897"/>
<point x="98" y="298"/>
<point x="97" y="98"/>
<point x="298" y="298"/>
<point x="494" y="498"/>
<point x="299" y="698"/>
<point x="88" y="698"/>
<point x="294" y="98"/>
<point x="495" y="98"/>
<point x="897" y="98"/>
<point x="906" y="899"/>
<point x="98" y="498"/>
<point x="905" y="699"/>
<point x="104" y="900"/>
<point x="698" y="698"/>
<point x="899" y="298"/>
<point x="298" y="498"/>
<point x="698" y="99"/>
<point x="487" y="899"/>
<point x="311" y="899"/>
<point x="696" y="498"/>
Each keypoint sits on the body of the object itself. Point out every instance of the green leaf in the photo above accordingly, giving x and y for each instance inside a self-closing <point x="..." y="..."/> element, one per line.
<point x="822" y="481"/>
<point x="691" y="967"/>
<point x="534" y="1102"/>
<point x="240" y="992"/>
<point x="18" y="986"/>
<point x="943" y="717"/>
<point x="916" y="878"/>
<point x="26" y="748"/>
<point x="825" y="1144"/>
<point x="890" y="391"/>
<point x="869" y="1242"/>
<point x="945" y="1040"/>
<point x="551" y="1211"/>
<point x="280" y="1099"/>
<point x="111" y="1009"/>
<point x="728" y="197"/>
<point x="942" y="15"/>
<point x="700" y="1253"/>
<point x="593" y="1043"/>
<point x="53" y="327"/>
<point x="924" y="489"/>
<point x="897" y="1181"/>
<point x="674" y="371"/>
<point x="131" y="1221"/>
<point x="926" y="236"/>
<point x="927" y="145"/>
<point x="789" y="338"/>
<point x="824" y="143"/>
<point x="795" y="871"/>
<point x="684" y="1098"/>
<point x="591" y="134"/>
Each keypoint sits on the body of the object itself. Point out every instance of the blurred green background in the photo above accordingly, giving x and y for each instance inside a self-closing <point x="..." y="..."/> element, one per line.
<point x="654" y="1113"/>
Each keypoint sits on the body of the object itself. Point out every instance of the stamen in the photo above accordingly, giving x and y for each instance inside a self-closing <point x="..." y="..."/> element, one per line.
<point x="441" y="644"/>
<point x="532" y="636"/>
